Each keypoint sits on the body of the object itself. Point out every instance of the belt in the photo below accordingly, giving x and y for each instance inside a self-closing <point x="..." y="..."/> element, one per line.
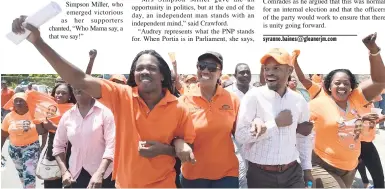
<point x="276" y="168"/>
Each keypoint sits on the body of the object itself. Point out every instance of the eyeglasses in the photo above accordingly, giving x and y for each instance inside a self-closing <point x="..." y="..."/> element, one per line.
<point x="210" y="66"/>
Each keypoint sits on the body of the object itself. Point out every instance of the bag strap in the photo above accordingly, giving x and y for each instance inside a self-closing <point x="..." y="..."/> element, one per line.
<point x="317" y="93"/>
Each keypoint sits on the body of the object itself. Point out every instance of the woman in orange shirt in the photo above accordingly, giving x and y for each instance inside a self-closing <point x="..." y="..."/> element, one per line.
<point x="64" y="96"/>
<point x="369" y="157"/>
<point x="24" y="147"/>
<point x="214" y="111"/>
<point x="338" y="119"/>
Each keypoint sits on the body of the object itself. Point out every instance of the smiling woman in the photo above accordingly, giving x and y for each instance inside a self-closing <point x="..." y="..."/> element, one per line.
<point x="338" y="119"/>
<point x="209" y="171"/>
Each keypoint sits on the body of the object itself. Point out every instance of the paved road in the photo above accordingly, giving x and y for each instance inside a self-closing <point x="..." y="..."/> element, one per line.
<point x="9" y="178"/>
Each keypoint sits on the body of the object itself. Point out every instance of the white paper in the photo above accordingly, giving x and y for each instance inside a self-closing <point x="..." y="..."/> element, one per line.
<point x="37" y="19"/>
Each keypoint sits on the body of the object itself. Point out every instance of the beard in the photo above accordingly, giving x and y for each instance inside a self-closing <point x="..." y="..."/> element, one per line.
<point x="273" y="86"/>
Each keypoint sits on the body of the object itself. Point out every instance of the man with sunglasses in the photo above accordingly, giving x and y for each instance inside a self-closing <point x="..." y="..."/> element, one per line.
<point x="272" y="156"/>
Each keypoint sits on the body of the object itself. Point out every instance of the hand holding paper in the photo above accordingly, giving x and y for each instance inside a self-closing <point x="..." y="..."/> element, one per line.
<point x="20" y="27"/>
<point x="39" y="18"/>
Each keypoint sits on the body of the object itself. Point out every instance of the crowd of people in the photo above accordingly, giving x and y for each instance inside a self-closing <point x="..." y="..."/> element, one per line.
<point x="156" y="130"/>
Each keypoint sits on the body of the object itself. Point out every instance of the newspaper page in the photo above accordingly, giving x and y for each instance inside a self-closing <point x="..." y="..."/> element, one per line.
<point x="324" y="50"/>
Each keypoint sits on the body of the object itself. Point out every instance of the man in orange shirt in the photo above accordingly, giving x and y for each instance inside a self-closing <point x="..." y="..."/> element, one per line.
<point x="6" y="94"/>
<point x="146" y="140"/>
<point x="119" y="78"/>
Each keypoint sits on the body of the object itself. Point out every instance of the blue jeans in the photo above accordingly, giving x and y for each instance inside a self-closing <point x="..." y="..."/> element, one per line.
<point x="381" y="104"/>
<point x="225" y="182"/>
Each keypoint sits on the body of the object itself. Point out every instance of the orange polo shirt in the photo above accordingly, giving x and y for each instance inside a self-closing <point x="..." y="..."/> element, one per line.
<point x="135" y="122"/>
<point x="6" y="95"/>
<point x="335" y="143"/>
<point x="21" y="129"/>
<point x="314" y="89"/>
<point x="213" y="147"/>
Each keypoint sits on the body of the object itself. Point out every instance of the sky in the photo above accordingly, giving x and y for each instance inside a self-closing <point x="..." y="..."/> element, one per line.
<point x="116" y="51"/>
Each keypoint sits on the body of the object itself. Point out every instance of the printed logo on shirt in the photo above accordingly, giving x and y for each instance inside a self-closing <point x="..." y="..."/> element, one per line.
<point x="349" y="132"/>
<point x="20" y="126"/>
<point x="226" y="107"/>
<point x="194" y="109"/>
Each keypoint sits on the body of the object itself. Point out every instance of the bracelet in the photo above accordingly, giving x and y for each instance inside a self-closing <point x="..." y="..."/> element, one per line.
<point x="376" y="54"/>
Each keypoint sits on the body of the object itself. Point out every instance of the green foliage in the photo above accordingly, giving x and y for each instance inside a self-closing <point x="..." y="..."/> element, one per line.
<point x="41" y="79"/>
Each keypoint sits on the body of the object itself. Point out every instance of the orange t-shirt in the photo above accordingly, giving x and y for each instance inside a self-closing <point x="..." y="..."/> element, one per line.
<point x="214" y="123"/>
<point x="334" y="133"/>
<point x="6" y="95"/>
<point x="316" y="89"/>
<point x="21" y="129"/>
<point x="134" y="122"/>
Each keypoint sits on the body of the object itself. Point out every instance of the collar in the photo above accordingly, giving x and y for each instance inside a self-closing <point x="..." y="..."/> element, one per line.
<point x="197" y="91"/>
<point x="168" y="97"/>
<point x="236" y="87"/>
<point x="275" y="94"/>
<point x="97" y="104"/>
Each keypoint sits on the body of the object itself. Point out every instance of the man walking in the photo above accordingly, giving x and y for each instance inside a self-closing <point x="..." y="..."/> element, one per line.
<point x="272" y="151"/>
<point x="240" y="87"/>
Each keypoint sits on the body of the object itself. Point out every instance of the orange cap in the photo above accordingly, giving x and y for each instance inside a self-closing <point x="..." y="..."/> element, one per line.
<point x="191" y="77"/>
<point x="118" y="77"/>
<point x="225" y="77"/>
<point x="9" y="105"/>
<point x="280" y="55"/>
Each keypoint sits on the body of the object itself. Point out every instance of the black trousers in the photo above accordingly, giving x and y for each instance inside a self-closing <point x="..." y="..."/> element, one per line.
<point x="369" y="157"/>
<point x="58" y="182"/>
<point x="84" y="179"/>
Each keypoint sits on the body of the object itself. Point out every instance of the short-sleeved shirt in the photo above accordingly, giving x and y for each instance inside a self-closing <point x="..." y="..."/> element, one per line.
<point x="135" y="122"/>
<point x="335" y="131"/>
<point x="21" y="129"/>
<point x="214" y="123"/>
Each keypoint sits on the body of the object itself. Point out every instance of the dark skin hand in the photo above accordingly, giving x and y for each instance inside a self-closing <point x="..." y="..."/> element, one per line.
<point x="305" y="128"/>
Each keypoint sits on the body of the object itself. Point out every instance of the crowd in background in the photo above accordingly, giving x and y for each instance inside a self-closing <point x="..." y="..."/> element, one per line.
<point x="157" y="129"/>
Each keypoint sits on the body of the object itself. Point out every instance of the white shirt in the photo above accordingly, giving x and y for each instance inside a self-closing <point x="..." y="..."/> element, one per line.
<point x="278" y="145"/>
<point x="238" y="148"/>
<point x="233" y="88"/>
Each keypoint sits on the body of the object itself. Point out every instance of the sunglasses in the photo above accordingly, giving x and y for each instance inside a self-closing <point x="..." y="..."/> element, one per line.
<point x="210" y="66"/>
